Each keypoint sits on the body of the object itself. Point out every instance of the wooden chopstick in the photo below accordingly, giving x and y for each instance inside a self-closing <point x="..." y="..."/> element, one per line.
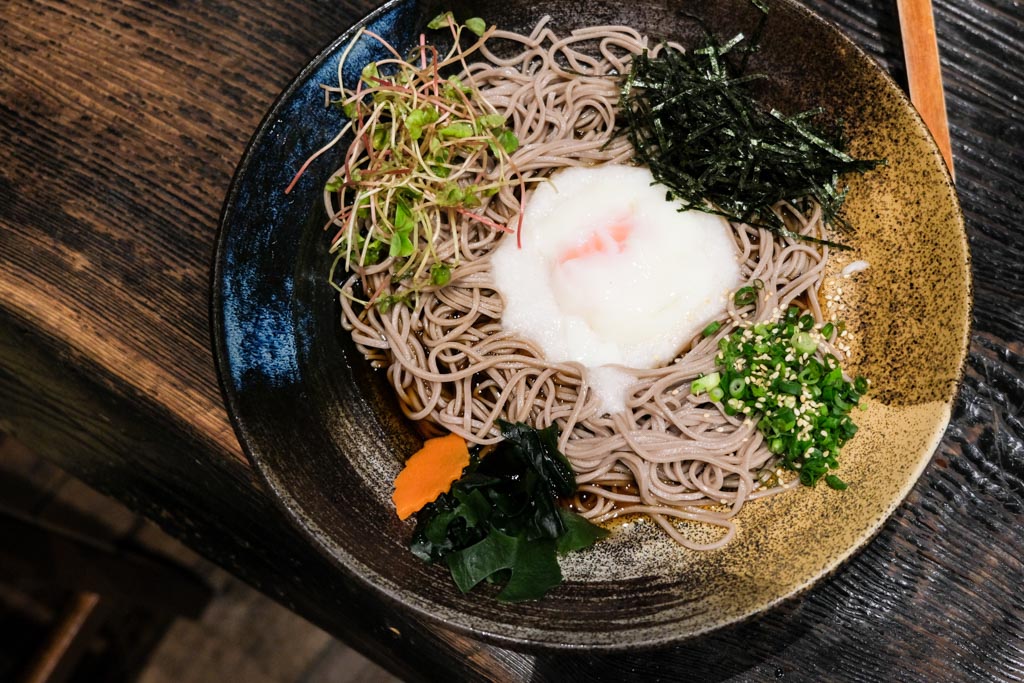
<point x="921" y="52"/>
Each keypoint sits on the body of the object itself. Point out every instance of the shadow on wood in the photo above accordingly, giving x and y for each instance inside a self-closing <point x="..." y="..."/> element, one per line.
<point x="102" y="581"/>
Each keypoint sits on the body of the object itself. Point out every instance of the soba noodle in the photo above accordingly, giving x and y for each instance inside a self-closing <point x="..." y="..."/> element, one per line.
<point x="671" y="456"/>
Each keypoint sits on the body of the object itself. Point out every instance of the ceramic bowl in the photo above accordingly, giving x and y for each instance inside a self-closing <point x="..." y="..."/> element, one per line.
<point x="323" y="429"/>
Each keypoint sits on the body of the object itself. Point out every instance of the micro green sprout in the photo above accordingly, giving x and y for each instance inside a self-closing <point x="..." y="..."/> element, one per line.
<point x="427" y="152"/>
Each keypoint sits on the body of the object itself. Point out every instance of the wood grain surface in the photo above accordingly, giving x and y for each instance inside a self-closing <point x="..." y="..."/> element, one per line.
<point x="121" y="124"/>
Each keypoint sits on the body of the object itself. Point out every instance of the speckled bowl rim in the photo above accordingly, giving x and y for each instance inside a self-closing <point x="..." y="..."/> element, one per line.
<point x="528" y="639"/>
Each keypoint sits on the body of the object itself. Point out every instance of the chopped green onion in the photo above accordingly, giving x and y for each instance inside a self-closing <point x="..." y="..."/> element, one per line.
<point x="799" y="401"/>
<point x="745" y="296"/>
<point x="711" y="329"/>
<point x="701" y="385"/>
<point x="804" y="343"/>
<point x="791" y="388"/>
<point x="810" y="374"/>
<point x="836" y="483"/>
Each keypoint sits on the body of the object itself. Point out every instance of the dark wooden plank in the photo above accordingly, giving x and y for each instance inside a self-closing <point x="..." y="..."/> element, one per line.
<point x="26" y="482"/>
<point x="128" y="175"/>
<point x="122" y="124"/>
<point x="56" y="556"/>
<point x="214" y="505"/>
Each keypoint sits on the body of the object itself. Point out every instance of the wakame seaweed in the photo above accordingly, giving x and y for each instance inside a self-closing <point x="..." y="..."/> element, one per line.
<point x="502" y="521"/>
<point x="693" y="121"/>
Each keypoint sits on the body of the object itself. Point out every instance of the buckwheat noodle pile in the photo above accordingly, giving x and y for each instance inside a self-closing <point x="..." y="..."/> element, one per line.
<point x="671" y="456"/>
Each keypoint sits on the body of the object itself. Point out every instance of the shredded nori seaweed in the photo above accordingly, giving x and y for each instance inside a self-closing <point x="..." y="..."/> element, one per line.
<point x="693" y="120"/>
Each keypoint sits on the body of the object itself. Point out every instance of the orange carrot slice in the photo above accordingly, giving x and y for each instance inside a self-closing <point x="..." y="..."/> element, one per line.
<point x="429" y="473"/>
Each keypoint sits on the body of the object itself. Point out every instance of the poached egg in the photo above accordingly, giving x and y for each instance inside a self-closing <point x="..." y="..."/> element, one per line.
<point x="612" y="275"/>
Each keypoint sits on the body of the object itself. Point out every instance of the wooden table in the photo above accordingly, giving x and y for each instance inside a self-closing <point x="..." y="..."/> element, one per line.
<point x="121" y="124"/>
